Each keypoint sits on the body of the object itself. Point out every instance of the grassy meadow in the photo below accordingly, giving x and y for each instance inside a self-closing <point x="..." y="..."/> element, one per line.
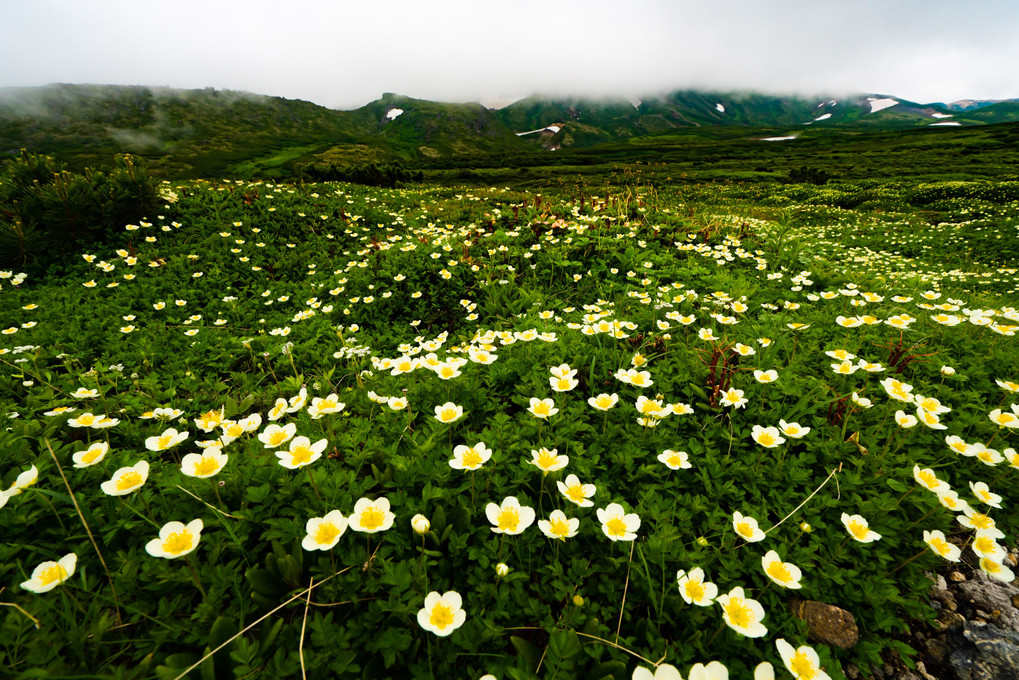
<point x="332" y="431"/>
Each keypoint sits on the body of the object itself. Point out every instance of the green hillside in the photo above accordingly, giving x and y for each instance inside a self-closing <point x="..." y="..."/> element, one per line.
<point x="211" y="133"/>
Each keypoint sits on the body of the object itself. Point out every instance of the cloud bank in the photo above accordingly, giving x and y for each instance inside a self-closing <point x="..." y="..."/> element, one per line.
<point x="344" y="54"/>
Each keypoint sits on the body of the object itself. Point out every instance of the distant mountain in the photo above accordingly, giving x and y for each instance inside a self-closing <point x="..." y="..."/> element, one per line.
<point x="557" y="123"/>
<point x="188" y="133"/>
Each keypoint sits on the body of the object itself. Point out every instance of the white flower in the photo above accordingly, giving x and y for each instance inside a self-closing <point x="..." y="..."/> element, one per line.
<point x="205" y="464"/>
<point x="747" y="528"/>
<point x="742" y="614"/>
<point x="675" y="460"/>
<point x="785" y="574"/>
<point x="803" y="663"/>
<point x="90" y="456"/>
<point x="858" y="528"/>
<point x="442" y="614"/>
<point x="301" y="452"/>
<point x="793" y="429"/>
<point x="127" y="479"/>
<point x="617" y="524"/>
<point x="175" y="539"/>
<point x="510" y="517"/>
<point x="694" y="589"/>
<point x="49" y="575"/>
<point x="170" y="438"/>
<point x="662" y="672"/>
<point x="558" y="526"/>
<point x="324" y="532"/>
<point x="371" y="516"/>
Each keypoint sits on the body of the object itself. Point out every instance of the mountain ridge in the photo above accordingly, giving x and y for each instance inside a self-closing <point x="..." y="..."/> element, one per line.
<point x="213" y="132"/>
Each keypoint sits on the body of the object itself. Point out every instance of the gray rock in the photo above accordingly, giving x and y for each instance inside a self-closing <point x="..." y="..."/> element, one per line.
<point x="983" y="651"/>
<point x="991" y="600"/>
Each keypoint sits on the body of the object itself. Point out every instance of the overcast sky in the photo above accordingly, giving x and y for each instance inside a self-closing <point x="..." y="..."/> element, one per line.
<point x="345" y="53"/>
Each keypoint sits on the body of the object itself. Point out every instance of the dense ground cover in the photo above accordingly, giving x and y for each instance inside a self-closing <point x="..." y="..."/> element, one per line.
<point x="734" y="370"/>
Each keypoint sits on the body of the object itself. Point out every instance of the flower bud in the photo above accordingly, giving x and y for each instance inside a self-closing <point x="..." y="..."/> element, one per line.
<point x="501" y="569"/>
<point x="420" y="524"/>
<point x="947" y="370"/>
<point x="578" y="600"/>
<point x="806" y="528"/>
<point x="701" y="541"/>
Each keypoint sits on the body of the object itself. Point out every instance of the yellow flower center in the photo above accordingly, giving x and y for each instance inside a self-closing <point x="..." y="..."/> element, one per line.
<point x="541" y="409"/>
<point x="695" y="590"/>
<point x="928" y="479"/>
<point x="327" y="533"/>
<point x="326" y="404"/>
<point x="792" y="430"/>
<point x="86" y="419"/>
<point x="576" y="493"/>
<point x="778" y="571"/>
<point x="858" y="530"/>
<point x="960" y="447"/>
<point x="986" y="456"/>
<point x="277" y="437"/>
<point x="471" y="459"/>
<point x="129" y="480"/>
<point x="559" y="528"/>
<point x="744" y="529"/>
<point x="164" y="441"/>
<point x="508" y="519"/>
<point x="981" y="521"/>
<point x="638" y="380"/>
<point x="940" y="546"/>
<point x="301" y="455"/>
<point x="546" y="460"/>
<point x="801" y="667"/>
<point x="984" y="545"/>
<point x="56" y="573"/>
<point x="448" y="415"/>
<point x="206" y="466"/>
<point x="179" y="542"/>
<point x="765" y="439"/>
<point x="235" y="430"/>
<point x="604" y="402"/>
<point x="739" y="614"/>
<point x="616" y="527"/>
<point x="990" y="565"/>
<point x="985" y="496"/>
<point x="441" y="616"/>
<point x="372" y="518"/>
<point x="91" y="455"/>
<point x="675" y="460"/>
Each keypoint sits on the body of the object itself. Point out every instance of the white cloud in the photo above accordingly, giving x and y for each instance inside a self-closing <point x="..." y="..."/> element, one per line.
<point x="344" y="54"/>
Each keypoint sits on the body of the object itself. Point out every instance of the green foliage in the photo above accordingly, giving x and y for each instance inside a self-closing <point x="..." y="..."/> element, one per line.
<point x="241" y="294"/>
<point x="46" y="211"/>
<point x="388" y="175"/>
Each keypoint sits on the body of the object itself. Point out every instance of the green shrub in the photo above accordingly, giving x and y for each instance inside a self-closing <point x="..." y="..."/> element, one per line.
<point x="45" y="210"/>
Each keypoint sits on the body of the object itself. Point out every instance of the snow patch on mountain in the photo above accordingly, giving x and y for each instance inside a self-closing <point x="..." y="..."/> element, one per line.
<point x="941" y="115"/>
<point x="954" y="122"/>
<point x="392" y="114"/>
<point x="881" y="104"/>
<point x="777" y="139"/>
<point x="719" y="108"/>
<point x="824" y="117"/>
<point x="551" y="128"/>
